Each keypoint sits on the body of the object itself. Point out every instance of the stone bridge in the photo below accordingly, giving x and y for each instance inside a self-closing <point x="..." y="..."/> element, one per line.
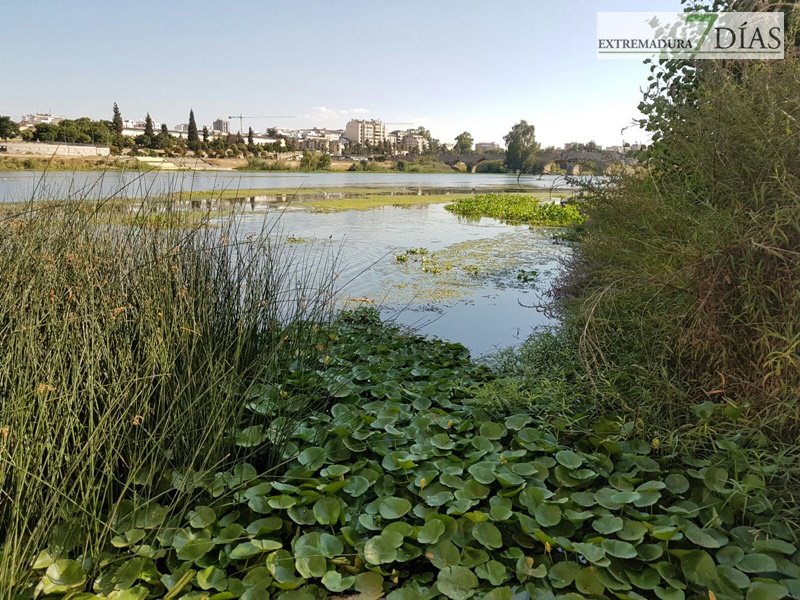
<point x="571" y="161"/>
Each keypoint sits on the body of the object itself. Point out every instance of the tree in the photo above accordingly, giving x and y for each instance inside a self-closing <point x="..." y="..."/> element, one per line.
<point x="8" y="128"/>
<point x="522" y="150"/>
<point x="463" y="143"/>
<point x="191" y="135"/>
<point x="250" y="136"/>
<point x="116" y="121"/>
<point x="148" y="126"/>
<point x="205" y="134"/>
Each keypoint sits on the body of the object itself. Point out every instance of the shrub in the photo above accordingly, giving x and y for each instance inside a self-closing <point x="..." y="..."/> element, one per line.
<point x="688" y="282"/>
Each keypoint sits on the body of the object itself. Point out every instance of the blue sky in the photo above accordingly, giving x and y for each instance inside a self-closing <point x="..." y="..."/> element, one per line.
<point x="450" y="66"/>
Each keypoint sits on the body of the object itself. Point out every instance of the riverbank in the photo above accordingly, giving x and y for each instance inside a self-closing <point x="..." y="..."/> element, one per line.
<point x="57" y="162"/>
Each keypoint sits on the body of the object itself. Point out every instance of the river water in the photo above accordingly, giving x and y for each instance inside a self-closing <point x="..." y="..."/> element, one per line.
<point x="25" y="185"/>
<point x="477" y="282"/>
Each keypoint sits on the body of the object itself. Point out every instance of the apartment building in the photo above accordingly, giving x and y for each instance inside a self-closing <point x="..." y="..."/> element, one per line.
<point x="481" y="147"/>
<point x="221" y="126"/>
<point x="365" y="132"/>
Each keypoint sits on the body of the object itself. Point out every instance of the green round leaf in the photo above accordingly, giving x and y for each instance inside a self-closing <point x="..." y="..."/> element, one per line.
<point x="488" y="535"/>
<point x="457" y="583"/>
<point x="569" y="459"/>
<point x="393" y="507"/>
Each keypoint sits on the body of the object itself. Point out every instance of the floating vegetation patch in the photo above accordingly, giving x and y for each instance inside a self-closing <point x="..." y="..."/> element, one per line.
<point x="506" y="261"/>
<point x="518" y="208"/>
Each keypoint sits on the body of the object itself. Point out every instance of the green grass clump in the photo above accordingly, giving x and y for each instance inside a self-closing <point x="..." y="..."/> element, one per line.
<point x="127" y="349"/>
<point x="517" y="208"/>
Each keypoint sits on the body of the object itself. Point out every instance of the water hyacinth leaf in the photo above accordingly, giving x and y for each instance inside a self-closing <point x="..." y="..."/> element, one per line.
<point x="334" y="582"/>
<point x="677" y="483"/>
<point x="705" y="538"/>
<point x="733" y="576"/>
<point x="704" y="410"/>
<point x="632" y="531"/>
<point x="356" y="486"/>
<point x="431" y="532"/>
<point x="715" y="479"/>
<point x="62" y="576"/>
<point x="309" y="557"/>
<point x="547" y="515"/>
<point x="483" y="472"/>
<point x="313" y="457"/>
<point x="131" y="571"/>
<point x="563" y="573"/>
<point x="327" y="510"/>
<point x="646" y="579"/>
<point x="698" y="567"/>
<point x="517" y="422"/>
<point x="138" y="592"/>
<point x="442" y="441"/>
<point x="625" y="497"/>
<point x="669" y="593"/>
<point x="282" y="502"/>
<point x="588" y="582"/>
<point x="264" y="526"/>
<point x="212" y="578"/>
<point x="472" y="557"/>
<point x="488" y="535"/>
<point x="382" y="549"/>
<point x="369" y="585"/>
<point x="281" y="567"/>
<point x="202" y="516"/>
<point x="757" y="563"/>
<point x="492" y="571"/>
<point x="608" y="524"/>
<point x="443" y="554"/>
<point x="251" y="436"/>
<point x="619" y="549"/>
<point x="730" y="555"/>
<point x="492" y="431"/>
<point x="394" y="507"/>
<point x="253" y="548"/>
<point x="526" y="568"/>
<point x="774" y="545"/>
<point x="192" y="545"/>
<point x="766" y="590"/>
<point x="457" y="583"/>
<point x="569" y="459"/>
<point x="591" y="552"/>
<point x="501" y="509"/>
<point x="649" y="552"/>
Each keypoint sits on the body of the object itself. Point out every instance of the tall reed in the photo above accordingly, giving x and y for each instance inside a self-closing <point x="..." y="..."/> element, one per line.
<point x="128" y="342"/>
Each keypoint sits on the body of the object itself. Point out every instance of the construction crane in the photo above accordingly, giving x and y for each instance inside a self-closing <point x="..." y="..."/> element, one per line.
<point x="243" y="117"/>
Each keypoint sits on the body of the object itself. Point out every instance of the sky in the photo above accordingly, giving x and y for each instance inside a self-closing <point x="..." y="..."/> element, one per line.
<point x="450" y="66"/>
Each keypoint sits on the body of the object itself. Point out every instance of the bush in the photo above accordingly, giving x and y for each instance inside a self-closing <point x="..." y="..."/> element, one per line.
<point x="490" y="166"/>
<point x="688" y="282"/>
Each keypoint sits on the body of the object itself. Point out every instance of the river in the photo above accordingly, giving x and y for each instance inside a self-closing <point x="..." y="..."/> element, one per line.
<point x="25" y="185"/>
<point x="477" y="282"/>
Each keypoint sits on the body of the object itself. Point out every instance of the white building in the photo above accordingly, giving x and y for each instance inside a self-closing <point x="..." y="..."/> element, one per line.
<point x="365" y="132"/>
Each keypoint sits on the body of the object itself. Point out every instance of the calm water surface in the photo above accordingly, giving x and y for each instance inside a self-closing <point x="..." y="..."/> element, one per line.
<point x="484" y="294"/>
<point x="24" y="185"/>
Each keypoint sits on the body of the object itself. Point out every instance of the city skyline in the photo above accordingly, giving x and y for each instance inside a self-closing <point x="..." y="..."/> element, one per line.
<point x="467" y="66"/>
